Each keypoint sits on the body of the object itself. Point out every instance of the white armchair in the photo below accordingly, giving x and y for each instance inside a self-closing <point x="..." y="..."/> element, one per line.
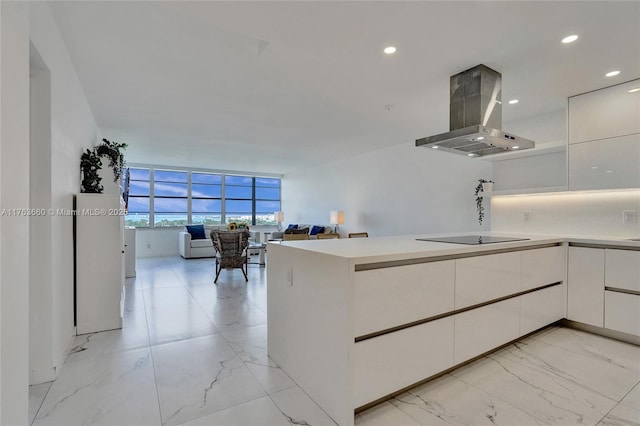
<point x="190" y="248"/>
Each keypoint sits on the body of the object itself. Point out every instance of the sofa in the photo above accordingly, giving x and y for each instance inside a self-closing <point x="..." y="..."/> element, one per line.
<point x="193" y="245"/>
<point x="312" y="230"/>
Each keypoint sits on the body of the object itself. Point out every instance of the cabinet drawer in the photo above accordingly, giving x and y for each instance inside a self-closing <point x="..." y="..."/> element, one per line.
<point x="585" y="292"/>
<point x="622" y="269"/>
<point x="622" y="312"/>
<point x="483" y="278"/>
<point x="482" y="329"/>
<point x="541" y="308"/>
<point x="388" y="297"/>
<point x="543" y="266"/>
<point x="393" y="361"/>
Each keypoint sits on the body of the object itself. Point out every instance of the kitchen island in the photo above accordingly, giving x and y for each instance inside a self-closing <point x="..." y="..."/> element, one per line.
<point x="355" y="321"/>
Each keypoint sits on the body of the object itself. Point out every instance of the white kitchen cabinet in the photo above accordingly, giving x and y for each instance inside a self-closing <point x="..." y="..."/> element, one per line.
<point x="605" y="164"/>
<point x="622" y="312"/>
<point x="482" y="329"/>
<point x="99" y="262"/>
<point x="585" y="281"/>
<point x="604" y="138"/>
<point x="604" y="113"/>
<point x="543" y="266"/>
<point x="483" y="278"/>
<point x="389" y="297"/>
<point x="386" y="363"/>
<point x="622" y="269"/>
<point x="541" y="308"/>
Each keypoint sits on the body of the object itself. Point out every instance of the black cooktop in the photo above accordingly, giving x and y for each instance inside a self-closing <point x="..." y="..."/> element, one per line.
<point x="472" y="239"/>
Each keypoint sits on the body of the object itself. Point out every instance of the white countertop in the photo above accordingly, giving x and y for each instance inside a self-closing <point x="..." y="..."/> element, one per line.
<point x="377" y="249"/>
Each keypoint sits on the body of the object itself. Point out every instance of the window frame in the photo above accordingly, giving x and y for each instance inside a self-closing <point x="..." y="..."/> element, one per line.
<point x="223" y="198"/>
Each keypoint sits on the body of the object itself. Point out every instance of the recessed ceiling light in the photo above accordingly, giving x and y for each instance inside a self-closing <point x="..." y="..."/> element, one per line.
<point x="612" y="73"/>
<point x="594" y="167"/>
<point x="513" y="101"/>
<point x="480" y="138"/>
<point x="570" y="39"/>
<point x="515" y="147"/>
<point x="471" y="154"/>
<point x="609" y="171"/>
<point x="390" y="50"/>
<point x="634" y="90"/>
<point x="435" y="147"/>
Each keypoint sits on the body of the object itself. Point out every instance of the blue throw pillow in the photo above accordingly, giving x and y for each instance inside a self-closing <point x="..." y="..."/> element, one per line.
<point x="292" y="226"/>
<point x="197" y="232"/>
<point x="316" y="230"/>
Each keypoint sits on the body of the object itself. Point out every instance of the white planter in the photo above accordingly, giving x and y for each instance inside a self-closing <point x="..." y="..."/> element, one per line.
<point x="487" y="187"/>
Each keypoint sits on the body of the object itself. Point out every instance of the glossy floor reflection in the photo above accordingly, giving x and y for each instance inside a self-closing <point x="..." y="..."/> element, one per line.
<point x="193" y="353"/>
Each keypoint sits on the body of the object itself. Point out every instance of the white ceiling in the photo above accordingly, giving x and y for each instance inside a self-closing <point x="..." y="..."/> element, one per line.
<point x="276" y="86"/>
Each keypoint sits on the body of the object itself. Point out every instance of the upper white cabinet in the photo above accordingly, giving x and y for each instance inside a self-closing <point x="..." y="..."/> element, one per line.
<point x="604" y="138"/>
<point x="605" y="113"/>
<point x="605" y="164"/>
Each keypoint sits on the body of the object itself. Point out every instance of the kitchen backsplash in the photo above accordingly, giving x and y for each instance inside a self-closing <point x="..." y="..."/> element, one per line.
<point x="575" y="213"/>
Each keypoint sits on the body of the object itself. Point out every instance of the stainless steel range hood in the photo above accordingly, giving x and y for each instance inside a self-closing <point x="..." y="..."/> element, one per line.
<point x="475" y="117"/>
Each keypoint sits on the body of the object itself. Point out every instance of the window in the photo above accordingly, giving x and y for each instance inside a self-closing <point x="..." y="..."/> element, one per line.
<point x="170" y="198"/>
<point x="138" y="204"/>
<point x="206" y="198"/>
<point x="267" y="200"/>
<point x="160" y="198"/>
<point x="238" y="191"/>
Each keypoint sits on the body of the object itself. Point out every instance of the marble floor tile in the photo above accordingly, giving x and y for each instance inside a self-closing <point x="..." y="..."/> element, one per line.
<point x="167" y="297"/>
<point x="299" y="408"/>
<point x="133" y="300"/>
<point x="621" y="415"/>
<point x="632" y="399"/>
<point x="159" y="279"/>
<point x="199" y="376"/>
<point x="590" y="345"/>
<point x="448" y="400"/>
<point x="133" y="335"/>
<point x="595" y="373"/>
<point x="112" y="390"/>
<point x="169" y="324"/>
<point x="386" y="414"/>
<point x="227" y="320"/>
<point x="195" y="353"/>
<point x="270" y="376"/>
<point x="259" y="412"/>
<point x="37" y="393"/>
<point x="542" y="393"/>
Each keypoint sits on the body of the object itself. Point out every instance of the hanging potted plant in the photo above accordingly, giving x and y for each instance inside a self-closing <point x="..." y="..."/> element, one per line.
<point x="90" y="163"/>
<point x="483" y="186"/>
<point x="113" y="151"/>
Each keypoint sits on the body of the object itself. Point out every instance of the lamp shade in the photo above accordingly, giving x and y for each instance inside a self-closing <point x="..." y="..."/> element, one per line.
<point x="279" y="216"/>
<point x="336" y="217"/>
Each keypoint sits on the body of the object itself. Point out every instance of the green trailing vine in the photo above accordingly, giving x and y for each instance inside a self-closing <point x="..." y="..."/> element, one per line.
<point x="90" y="163"/>
<point x="479" y="198"/>
<point x="113" y="151"/>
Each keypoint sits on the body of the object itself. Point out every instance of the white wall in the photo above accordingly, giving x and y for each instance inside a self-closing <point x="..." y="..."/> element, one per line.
<point x="73" y="129"/>
<point x="157" y="242"/>
<point x="579" y="213"/>
<point x="14" y="230"/>
<point x="397" y="190"/>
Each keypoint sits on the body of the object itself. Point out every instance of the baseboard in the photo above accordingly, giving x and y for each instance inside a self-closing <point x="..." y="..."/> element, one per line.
<point x="605" y="332"/>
